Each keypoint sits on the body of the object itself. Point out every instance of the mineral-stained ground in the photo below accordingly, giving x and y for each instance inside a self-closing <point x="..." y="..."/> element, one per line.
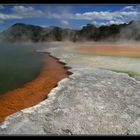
<point x="93" y="100"/>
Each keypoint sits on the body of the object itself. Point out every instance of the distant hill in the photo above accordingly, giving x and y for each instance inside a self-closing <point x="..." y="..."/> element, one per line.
<point x="23" y="32"/>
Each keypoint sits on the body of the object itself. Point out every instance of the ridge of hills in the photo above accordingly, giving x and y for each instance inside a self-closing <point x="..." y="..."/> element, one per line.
<point x="26" y="32"/>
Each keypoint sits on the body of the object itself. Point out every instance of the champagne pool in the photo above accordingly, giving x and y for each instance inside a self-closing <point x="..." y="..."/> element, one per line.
<point x="19" y="64"/>
<point x="26" y="77"/>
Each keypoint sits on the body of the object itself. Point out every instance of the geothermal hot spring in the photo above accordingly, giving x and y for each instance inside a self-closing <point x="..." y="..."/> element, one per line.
<point x="119" y="57"/>
<point x="26" y="76"/>
<point x="19" y="64"/>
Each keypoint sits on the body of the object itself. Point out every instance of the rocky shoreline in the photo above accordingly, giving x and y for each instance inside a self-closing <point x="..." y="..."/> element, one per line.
<point x="90" y="101"/>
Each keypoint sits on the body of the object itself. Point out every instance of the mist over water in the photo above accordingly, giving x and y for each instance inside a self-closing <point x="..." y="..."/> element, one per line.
<point x="19" y="64"/>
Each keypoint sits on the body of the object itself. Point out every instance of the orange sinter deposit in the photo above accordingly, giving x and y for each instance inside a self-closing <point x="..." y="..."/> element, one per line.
<point x="35" y="91"/>
<point x="111" y="50"/>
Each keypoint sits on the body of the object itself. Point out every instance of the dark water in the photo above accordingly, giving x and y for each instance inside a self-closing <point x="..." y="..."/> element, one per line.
<point x="19" y="64"/>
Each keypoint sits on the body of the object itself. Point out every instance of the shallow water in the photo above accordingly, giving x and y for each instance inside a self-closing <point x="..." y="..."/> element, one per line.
<point x="117" y="57"/>
<point x="19" y="64"/>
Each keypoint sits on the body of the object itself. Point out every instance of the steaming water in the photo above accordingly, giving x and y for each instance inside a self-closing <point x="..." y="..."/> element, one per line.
<point x="18" y="65"/>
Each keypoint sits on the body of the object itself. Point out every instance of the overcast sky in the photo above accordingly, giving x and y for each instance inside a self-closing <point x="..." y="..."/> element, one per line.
<point x="71" y="16"/>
